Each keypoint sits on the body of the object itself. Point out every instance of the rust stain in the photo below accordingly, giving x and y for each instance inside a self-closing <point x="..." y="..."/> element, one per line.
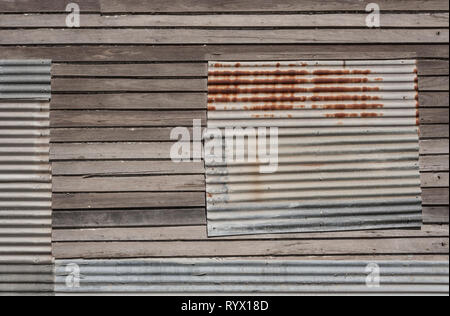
<point x="369" y="115"/>
<point x="211" y="108"/>
<point x="285" y="80"/>
<point x="238" y="65"/>
<point x="291" y="98"/>
<point x="275" y="89"/>
<point x="273" y="107"/>
<point x="417" y="122"/>
<point x="361" y="106"/>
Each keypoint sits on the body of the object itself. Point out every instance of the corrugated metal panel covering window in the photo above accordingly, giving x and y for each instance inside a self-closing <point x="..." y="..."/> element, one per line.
<point x="25" y="178"/>
<point x="206" y="276"/>
<point x="348" y="146"/>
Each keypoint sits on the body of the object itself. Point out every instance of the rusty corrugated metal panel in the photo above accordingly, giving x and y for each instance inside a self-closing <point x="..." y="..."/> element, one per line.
<point x="25" y="179"/>
<point x="210" y="276"/>
<point x="348" y="146"/>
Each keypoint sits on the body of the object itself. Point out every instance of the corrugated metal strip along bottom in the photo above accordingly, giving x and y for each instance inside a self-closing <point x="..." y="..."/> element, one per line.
<point x="348" y="146"/>
<point x="210" y="276"/>
<point x="25" y="198"/>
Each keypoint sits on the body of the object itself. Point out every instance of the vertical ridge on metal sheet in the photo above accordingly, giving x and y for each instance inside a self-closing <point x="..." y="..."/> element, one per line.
<point x="348" y="146"/>
<point x="25" y="178"/>
<point x="205" y="276"/>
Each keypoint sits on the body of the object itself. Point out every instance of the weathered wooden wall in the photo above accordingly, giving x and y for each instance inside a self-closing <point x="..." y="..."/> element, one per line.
<point x="137" y="68"/>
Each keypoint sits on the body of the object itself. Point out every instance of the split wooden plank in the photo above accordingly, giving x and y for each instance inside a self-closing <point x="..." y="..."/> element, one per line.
<point x="26" y="6"/>
<point x="298" y="20"/>
<point x="435" y="180"/>
<point x="125" y="118"/>
<point x="434" y="163"/>
<point x="435" y="196"/>
<point x="115" y="6"/>
<point x="132" y="70"/>
<point x="434" y="131"/>
<point x="434" y="147"/>
<point x="129" y="101"/>
<point x="128" y="200"/>
<point x="128" y="85"/>
<point x="341" y="247"/>
<point x="434" y="83"/>
<point x="125" y="168"/>
<point x="436" y="215"/>
<point x="129" y="218"/>
<point x="136" y="184"/>
<point x="143" y="53"/>
<point x="119" y="151"/>
<point x="196" y="36"/>
<point x="200" y="233"/>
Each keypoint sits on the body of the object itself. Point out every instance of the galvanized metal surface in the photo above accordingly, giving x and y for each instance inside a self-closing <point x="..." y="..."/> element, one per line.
<point x="210" y="276"/>
<point x="348" y="146"/>
<point x="25" y="180"/>
<point x="25" y="79"/>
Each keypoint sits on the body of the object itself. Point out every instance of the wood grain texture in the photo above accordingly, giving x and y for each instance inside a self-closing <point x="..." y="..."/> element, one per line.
<point x="111" y="118"/>
<point x="131" y="101"/>
<point x="342" y="247"/>
<point x="435" y="180"/>
<point x="433" y="83"/>
<point x="297" y="20"/>
<point x="128" y="85"/>
<point x="111" y="151"/>
<point x="434" y="99"/>
<point x="71" y="201"/>
<point x="125" y="168"/>
<point x="434" y="131"/>
<point x="434" y="116"/>
<point x="172" y="233"/>
<point x="434" y="163"/>
<point x="138" y="183"/>
<point x="435" y="196"/>
<point x="142" y="53"/>
<point x="434" y="147"/>
<point x="195" y="36"/>
<point x="132" y="70"/>
<point x="263" y="5"/>
<point x="129" y="218"/>
<point x="436" y="215"/>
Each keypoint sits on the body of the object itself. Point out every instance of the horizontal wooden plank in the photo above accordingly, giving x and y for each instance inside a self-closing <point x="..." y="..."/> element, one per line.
<point x="433" y="83"/>
<point x="196" y="36"/>
<point x="125" y="118"/>
<point x="436" y="215"/>
<point x="434" y="99"/>
<point x="128" y="200"/>
<point x="141" y="53"/>
<point x="435" y="196"/>
<point x="435" y="180"/>
<point x="145" y="134"/>
<point x="434" y="116"/>
<point x="127" y="85"/>
<point x="433" y="67"/>
<point x="434" y="163"/>
<point x="434" y="131"/>
<point x="263" y="5"/>
<point x="297" y="20"/>
<point x="200" y="233"/>
<point x="122" y="168"/>
<point x="132" y="70"/>
<point x="129" y="101"/>
<point x="434" y="147"/>
<point x="342" y="247"/>
<point x="110" y="151"/>
<point x="136" y="184"/>
<point x="129" y="218"/>
<point x="46" y="6"/>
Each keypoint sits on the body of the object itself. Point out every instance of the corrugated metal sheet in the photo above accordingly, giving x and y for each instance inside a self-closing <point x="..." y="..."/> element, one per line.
<point x="209" y="276"/>
<point x="25" y="79"/>
<point x="348" y="146"/>
<point x="25" y="178"/>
